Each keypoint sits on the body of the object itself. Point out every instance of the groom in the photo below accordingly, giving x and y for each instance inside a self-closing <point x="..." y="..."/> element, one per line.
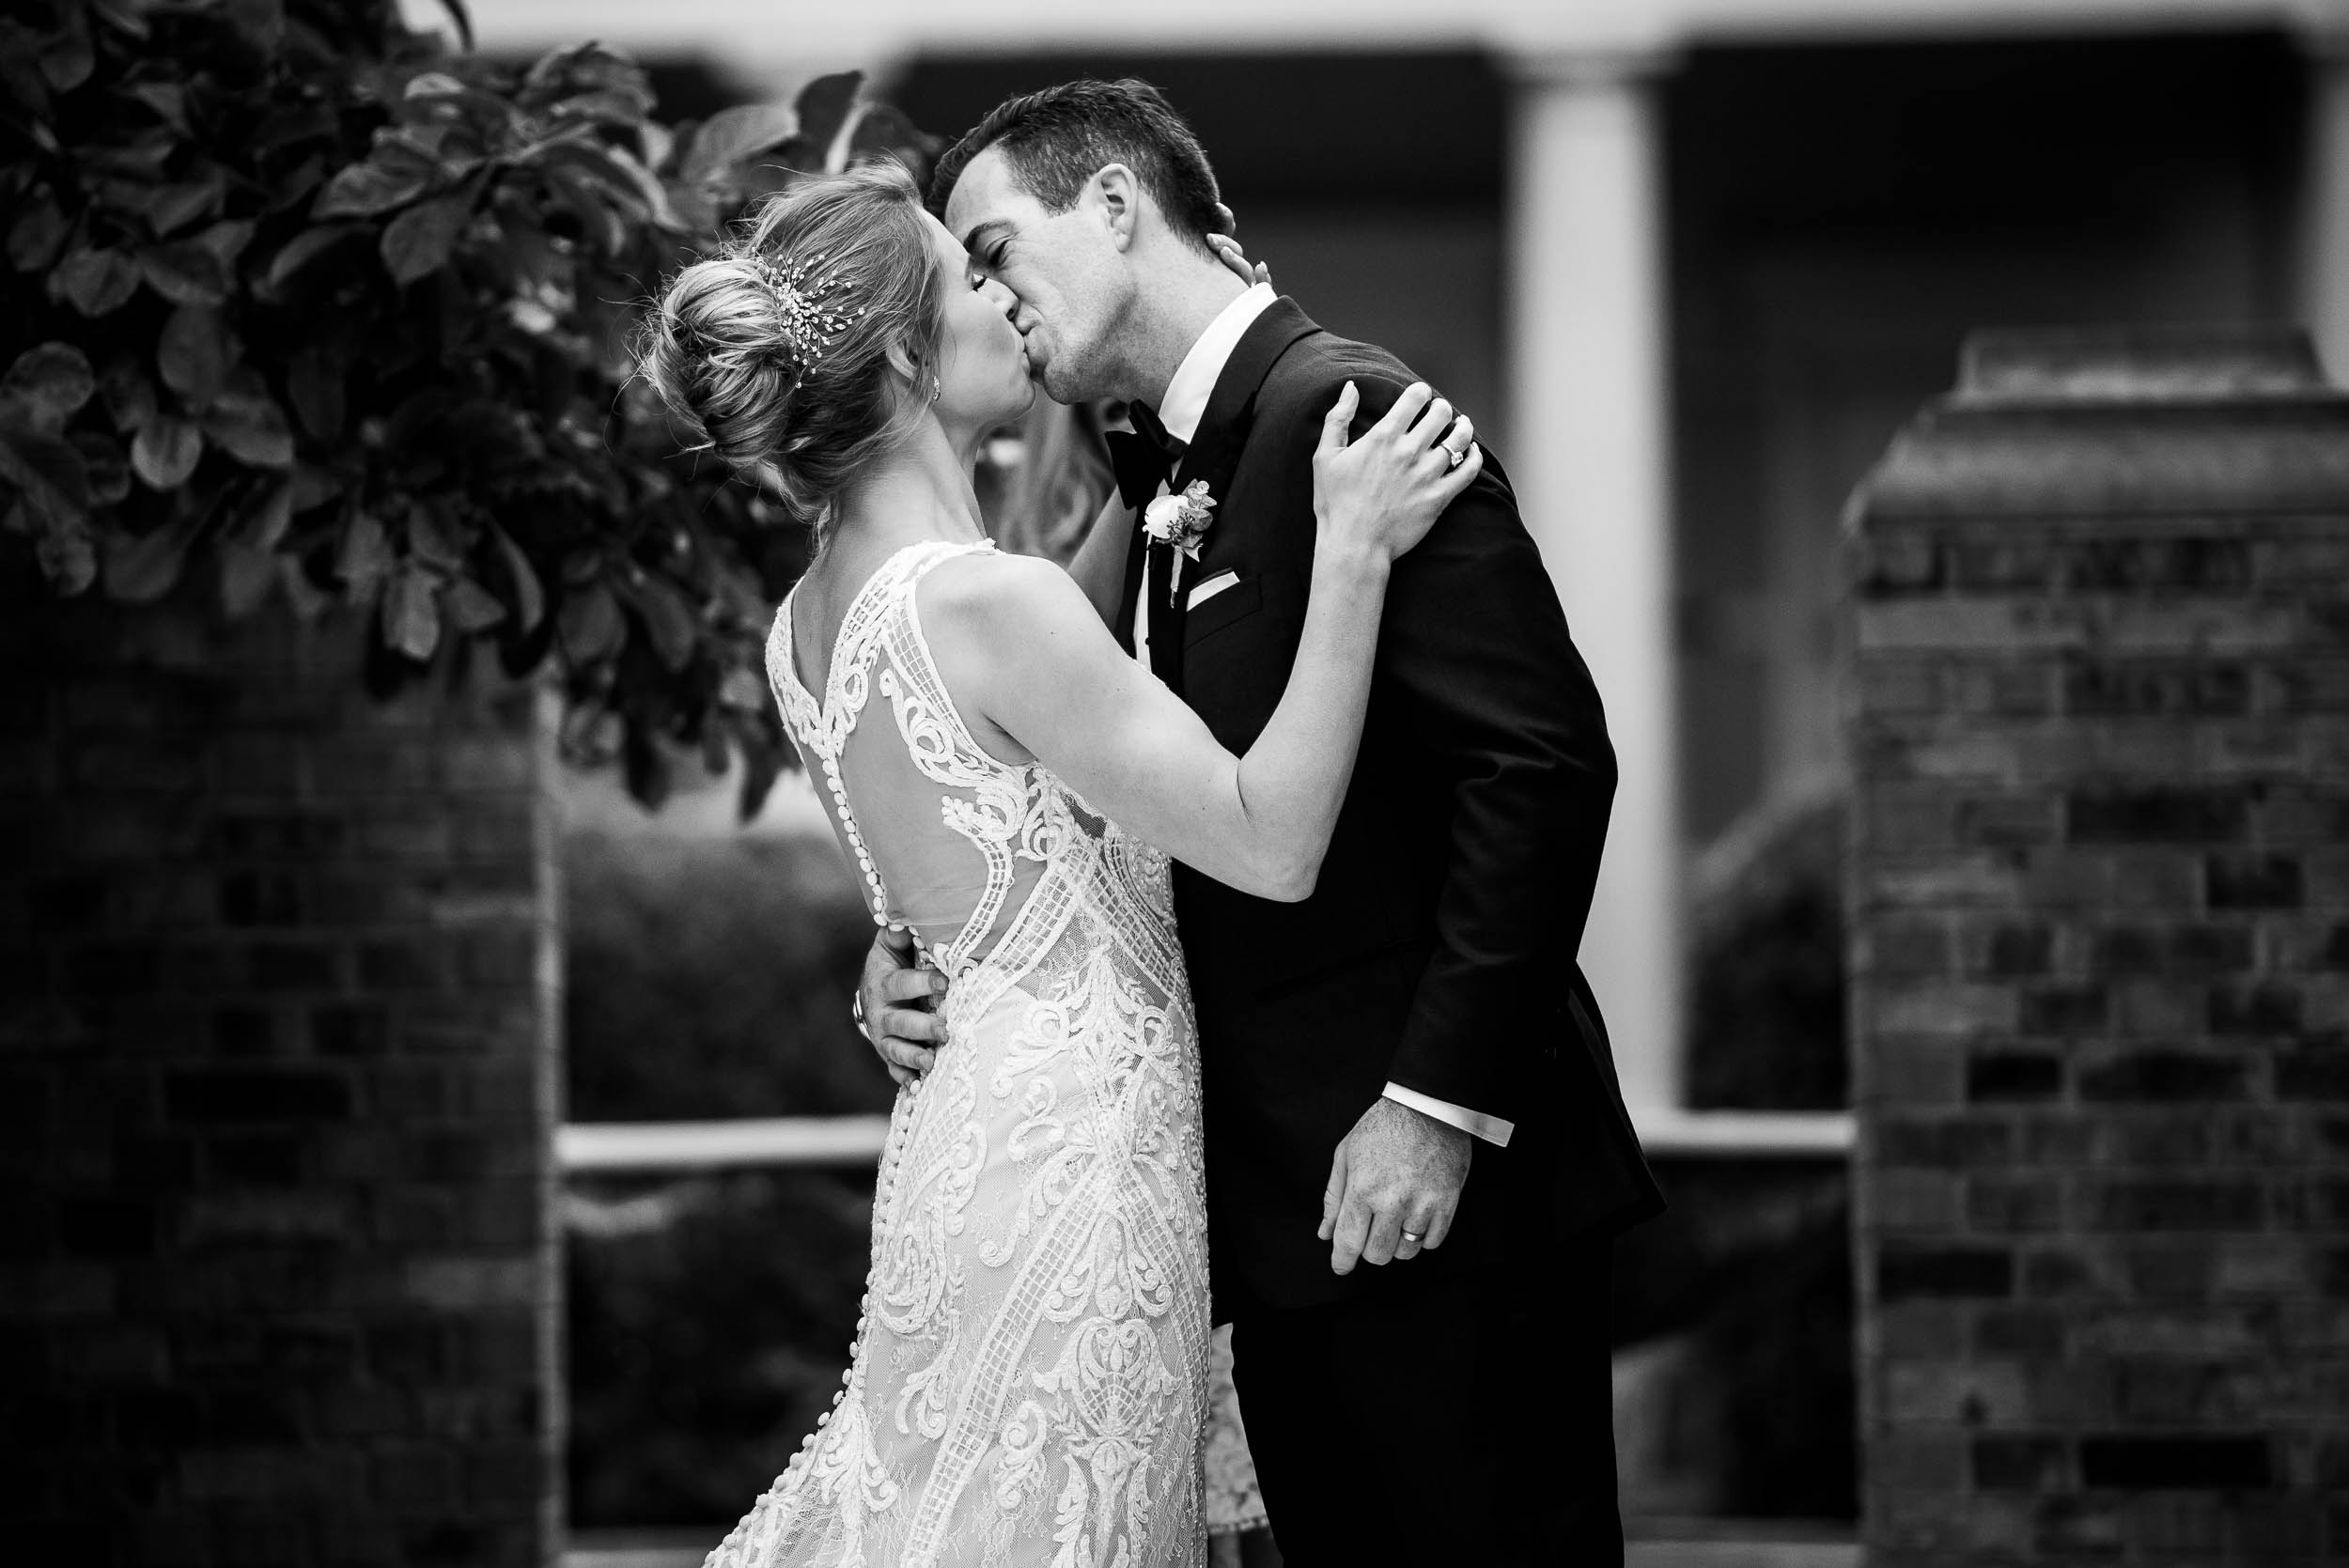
<point x="1407" y="1070"/>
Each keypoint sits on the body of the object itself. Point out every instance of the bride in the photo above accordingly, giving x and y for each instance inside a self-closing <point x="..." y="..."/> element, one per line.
<point x="1030" y="1375"/>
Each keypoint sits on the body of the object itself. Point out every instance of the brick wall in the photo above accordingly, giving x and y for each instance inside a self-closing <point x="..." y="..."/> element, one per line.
<point x="2099" y="719"/>
<point x="276" y="1090"/>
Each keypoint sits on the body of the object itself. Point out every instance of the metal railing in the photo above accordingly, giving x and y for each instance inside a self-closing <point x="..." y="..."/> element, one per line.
<point x="590" y="1147"/>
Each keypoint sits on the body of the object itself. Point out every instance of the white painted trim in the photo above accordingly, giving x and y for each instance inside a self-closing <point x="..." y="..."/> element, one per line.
<point x="585" y="1147"/>
<point x="1746" y="1134"/>
<point x="589" y="1146"/>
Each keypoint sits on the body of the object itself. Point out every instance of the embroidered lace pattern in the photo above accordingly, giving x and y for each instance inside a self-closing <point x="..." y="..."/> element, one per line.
<point x="1030" y="1374"/>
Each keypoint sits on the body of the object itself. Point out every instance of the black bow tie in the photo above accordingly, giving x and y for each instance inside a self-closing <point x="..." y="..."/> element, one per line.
<point x="1142" y="459"/>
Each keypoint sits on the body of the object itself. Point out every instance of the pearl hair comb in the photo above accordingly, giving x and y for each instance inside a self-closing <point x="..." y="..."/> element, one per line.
<point x="808" y="324"/>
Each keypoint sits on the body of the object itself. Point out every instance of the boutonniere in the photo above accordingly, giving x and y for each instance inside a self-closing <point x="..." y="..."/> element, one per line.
<point x="1180" y="520"/>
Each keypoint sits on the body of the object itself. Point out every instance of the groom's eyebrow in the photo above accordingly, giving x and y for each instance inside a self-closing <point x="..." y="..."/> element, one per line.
<point x="981" y="234"/>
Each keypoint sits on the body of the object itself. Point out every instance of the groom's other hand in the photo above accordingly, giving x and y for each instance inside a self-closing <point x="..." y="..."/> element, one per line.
<point x="899" y="996"/>
<point x="1397" y="1170"/>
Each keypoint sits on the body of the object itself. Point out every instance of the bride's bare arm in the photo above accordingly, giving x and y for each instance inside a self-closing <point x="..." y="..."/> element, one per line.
<point x="1032" y="655"/>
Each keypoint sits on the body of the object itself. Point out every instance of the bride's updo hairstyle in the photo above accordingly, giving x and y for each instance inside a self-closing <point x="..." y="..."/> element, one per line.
<point x="776" y="348"/>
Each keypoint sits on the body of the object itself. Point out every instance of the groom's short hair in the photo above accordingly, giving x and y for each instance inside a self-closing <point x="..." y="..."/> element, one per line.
<point x="1055" y="140"/>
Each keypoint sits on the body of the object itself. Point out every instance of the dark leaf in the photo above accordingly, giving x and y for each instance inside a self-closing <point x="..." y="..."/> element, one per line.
<point x="130" y="395"/>
<point x="590" y="625"/>
<point x="49" y="473"/>
<point x="95" y="282"/>
<point x="262" y="22"/>
<point x="123" y="16"/>
<point x="471" y="607"/>
<point x="364" y="556"/>
<point x="731" y="136"/>
<point x="36" y="235"/>
<point x="169" y="100"/>
<point x="314" y="486"/>
<point x="313" y="380"/>
<point x="264" y="521"/>
<point x="418" y="241"/>
<point x="290" y="124"/>
<point x="174" y="207"/>
<point x="185" y="273"/>
<point x="165" y="451"/>
<point x="741" y="688"/>
<point x="305" y="246"/>
<point x="66" y="58"/>
<point x="460" y="15"/>
<point x="530" y="600"/>
<point x="246" y="576"/>
<point x="251" y="429"/>
<point x="649" y="191"/>
<point x="761" y="766"/>
<point x="22" y="84"/>
<point x="600" y="166"/>
<point x="103" y="460"/>
<point x="308" y="599"/>
<point x="192" y="353"/>
<point x="602" y="106"/>
<point x="293" y="188"/>
<point x="882" y="128"/>
<point x="589" y="201"/>
<point x="48" y="382"/>
<point x="645" y="768"/>
<point x="432" y="541"/>
<point x="824" y="105"/>
<point x="226" y="240"/>
<point x="142" y="568"/>
<point x="584" y="68"/>
<point x="68" y="554"/>
<point x="412" y="613"/>
<point x="363" y="190"/>
<point x="668" y="619"/>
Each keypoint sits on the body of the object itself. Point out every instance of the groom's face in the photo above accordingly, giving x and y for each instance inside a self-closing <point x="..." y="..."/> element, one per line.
<point x="1065" y="270"/>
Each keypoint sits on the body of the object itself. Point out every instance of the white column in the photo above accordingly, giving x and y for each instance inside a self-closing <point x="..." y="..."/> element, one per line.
<point x="1587" y="451"/>
<point x="2325" y="209"/>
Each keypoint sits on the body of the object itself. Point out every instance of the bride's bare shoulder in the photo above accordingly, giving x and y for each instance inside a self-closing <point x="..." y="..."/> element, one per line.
<point x="993" y="588"/>
<point x="997" y="602"/>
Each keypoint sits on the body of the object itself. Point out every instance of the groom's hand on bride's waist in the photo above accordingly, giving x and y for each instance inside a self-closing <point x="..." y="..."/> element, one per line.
<point x="1394" y="1185"/>
<point x="895" y="1005"/>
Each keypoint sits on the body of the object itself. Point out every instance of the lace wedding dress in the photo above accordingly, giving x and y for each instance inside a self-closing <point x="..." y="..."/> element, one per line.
<point x="1030" y="1375"/>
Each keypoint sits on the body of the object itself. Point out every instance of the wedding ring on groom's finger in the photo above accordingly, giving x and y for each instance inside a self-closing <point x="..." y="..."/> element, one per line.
<point x="1414" y="1237"/>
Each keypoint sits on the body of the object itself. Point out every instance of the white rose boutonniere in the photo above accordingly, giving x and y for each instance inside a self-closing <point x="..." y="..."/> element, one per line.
<point x="1180" y="520"/>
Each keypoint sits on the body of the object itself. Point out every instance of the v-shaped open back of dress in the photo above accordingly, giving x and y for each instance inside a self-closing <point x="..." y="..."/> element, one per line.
<point x="1029" y="1378"/>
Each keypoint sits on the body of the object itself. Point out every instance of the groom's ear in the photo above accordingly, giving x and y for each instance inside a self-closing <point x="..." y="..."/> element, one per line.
<point x="1118" y="196"/>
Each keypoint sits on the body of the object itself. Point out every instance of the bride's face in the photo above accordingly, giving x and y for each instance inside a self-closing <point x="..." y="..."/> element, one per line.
<point x="982" y="363"/>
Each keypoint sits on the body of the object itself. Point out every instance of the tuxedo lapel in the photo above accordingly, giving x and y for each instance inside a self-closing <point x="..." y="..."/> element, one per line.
<point x="1216" y="446"/>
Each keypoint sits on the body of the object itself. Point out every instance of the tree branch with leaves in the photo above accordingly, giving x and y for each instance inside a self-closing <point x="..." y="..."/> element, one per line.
<point x="305" y="304"/>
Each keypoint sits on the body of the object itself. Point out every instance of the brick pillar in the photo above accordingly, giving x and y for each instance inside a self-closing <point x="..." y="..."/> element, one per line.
<point x="2100" y="897"/>
<point x="276" y="1080"/>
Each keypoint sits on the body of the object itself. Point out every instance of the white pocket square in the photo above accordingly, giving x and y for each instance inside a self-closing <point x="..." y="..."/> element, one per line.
<point x="1202" y="592"/>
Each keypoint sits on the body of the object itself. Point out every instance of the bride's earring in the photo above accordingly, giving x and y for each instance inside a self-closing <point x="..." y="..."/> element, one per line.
<point x="938" y="388"/>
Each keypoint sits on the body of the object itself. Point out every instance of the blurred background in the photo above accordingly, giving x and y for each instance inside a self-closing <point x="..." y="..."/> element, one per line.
<point x="1690" y="263"/>
<point x="307" y="936"/>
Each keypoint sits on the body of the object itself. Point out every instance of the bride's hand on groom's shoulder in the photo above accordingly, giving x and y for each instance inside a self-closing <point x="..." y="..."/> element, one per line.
<point x="1394" y="1185"/>
<point x="896" y="1006"/>
<point x="1227" y="250"/>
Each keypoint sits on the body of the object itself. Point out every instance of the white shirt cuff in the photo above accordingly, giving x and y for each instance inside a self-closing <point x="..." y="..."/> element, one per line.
<point x="1492" y="1129"/>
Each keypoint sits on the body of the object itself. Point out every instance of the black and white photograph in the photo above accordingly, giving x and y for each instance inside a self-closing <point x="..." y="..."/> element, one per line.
<point x="1261" y="784"/>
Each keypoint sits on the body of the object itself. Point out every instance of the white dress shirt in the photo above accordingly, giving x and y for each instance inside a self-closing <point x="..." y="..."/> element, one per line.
<point x="1180" y="410"/>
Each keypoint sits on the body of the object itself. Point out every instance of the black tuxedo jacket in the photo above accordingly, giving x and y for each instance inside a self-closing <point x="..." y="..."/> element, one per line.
<point x="1438" y="950"/>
